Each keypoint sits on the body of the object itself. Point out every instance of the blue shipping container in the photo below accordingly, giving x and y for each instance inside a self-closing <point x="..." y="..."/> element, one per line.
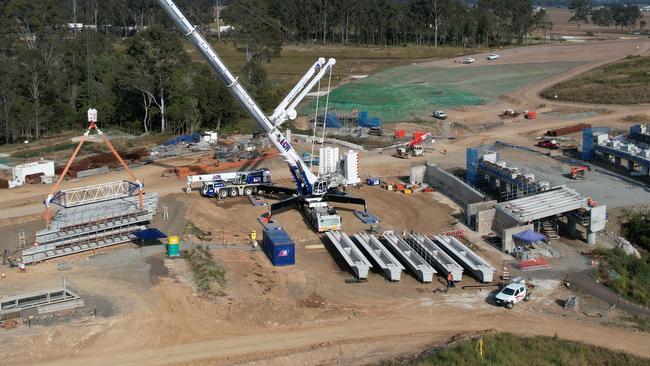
<point x="373" y="181"/>
<point x="279" y="247"/>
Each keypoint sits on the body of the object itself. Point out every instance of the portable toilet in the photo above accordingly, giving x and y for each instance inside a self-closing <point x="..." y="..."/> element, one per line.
<point x="173" y="248"/>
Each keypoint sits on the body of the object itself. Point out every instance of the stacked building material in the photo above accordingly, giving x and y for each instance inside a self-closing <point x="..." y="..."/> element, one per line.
<point x="96" y="225"/>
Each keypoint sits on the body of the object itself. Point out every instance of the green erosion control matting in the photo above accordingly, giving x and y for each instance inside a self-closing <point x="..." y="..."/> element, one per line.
<point x="405" y="92"/>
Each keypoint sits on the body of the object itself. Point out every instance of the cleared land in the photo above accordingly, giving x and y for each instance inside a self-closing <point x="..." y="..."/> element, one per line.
<point x="294" y="60"/>
<point x="624" y="82"/>
<point x="150" y="311"/>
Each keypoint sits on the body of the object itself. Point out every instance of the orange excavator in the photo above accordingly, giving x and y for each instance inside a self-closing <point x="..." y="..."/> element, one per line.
<point x="578" y="172"/>
<point x="92" y="125"/>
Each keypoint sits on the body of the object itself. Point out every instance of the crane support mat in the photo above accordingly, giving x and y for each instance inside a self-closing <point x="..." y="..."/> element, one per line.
<point x="257" y="201"/>
<point x="366" y="217"/>
<point x="358" y="263"/>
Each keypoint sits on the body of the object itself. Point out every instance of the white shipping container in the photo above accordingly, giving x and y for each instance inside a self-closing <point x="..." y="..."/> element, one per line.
<point x="351" y="161"/>
<point x="328" y="161"/>
<point x="44" y="166"/>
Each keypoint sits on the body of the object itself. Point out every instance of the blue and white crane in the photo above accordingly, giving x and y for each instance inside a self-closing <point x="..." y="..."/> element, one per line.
<point x="311" y="191"/>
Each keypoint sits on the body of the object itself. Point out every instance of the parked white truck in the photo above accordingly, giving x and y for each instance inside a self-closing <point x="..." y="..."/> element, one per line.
<point x="512" y="294"/>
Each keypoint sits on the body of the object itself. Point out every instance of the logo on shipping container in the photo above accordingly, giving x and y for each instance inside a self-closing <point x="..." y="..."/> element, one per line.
<point x="285" y="144"/>
<point x="283" y="253"/>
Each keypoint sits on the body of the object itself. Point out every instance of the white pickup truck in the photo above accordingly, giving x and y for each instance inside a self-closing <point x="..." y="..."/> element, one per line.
<point x="512" y="294"/>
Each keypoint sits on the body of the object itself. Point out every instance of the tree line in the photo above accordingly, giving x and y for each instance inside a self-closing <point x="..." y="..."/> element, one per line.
<point x="617" y="14"/>
<point x="265" y="24"/>
<point x="125" y="58"/>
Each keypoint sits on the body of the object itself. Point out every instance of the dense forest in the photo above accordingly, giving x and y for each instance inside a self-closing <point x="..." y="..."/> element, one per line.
<point x="125" y="58"/>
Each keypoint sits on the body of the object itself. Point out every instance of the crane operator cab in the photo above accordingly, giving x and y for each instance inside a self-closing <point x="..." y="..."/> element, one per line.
<point x="320" y="187"/>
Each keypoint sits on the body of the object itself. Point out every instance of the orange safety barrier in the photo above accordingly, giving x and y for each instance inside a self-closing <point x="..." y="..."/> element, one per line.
<point x="534" y="264"/>
<point x="456" y="233"/>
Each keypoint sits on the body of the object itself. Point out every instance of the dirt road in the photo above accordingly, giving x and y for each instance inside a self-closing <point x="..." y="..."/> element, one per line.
<point x="427" y="326"/>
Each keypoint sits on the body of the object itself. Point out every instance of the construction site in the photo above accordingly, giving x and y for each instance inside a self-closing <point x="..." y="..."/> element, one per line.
<point x="359" y="224"/>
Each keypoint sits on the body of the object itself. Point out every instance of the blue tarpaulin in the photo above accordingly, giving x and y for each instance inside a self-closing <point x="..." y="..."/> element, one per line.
<point x="186" y="139"/>
<point x="365" y="121"/>
<point x="529" y="236"/>
<point x="149" y="234"/>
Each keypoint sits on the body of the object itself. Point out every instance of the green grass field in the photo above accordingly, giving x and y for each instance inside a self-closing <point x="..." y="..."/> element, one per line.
<point x="624" y="82"/>
<point x="509" y="350"/>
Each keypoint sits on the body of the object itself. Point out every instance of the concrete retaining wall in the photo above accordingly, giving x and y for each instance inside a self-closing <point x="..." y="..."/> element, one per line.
<point x="448" y="184"/>
<point x="472" y="211"/>
<point x="485" y="221"/>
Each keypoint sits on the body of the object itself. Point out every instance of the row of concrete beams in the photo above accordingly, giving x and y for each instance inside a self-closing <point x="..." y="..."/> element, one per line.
<point x="414" y="262"/>
<point x="381" y="255"/>
<point x="350" y="253"/>
<point x="466" y="257"/>
<point x="622" y="154"/>
<point x="545" y="204"/>
<point x="506" y="175"/>
<point x="430" y="251"/>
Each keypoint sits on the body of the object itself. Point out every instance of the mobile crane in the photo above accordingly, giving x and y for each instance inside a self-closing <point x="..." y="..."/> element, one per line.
<point x="232" y="184"/>
<point x="312" y="193"/>
<point x="413" y="148"/>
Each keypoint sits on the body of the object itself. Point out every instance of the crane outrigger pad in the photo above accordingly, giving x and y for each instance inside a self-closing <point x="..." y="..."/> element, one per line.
<point x="366" y="217"/>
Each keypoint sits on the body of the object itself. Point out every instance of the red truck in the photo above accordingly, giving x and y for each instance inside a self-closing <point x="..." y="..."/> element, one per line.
<point x="548" y="144"/>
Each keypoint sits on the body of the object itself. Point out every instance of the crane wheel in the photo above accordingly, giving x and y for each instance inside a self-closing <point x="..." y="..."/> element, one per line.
<point x="248" y="191"/>
<point x="233" y="192"/>
<point x="223" y="193"/>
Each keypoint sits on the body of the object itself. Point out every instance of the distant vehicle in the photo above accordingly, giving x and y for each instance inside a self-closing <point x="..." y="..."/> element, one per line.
<point x="377" y="131"/>
<point x="512" y="294"/>
<point x="468" y="60"/>
<point x="492" y="56"/>
<point x="549" y="144"/>
<point x="440" y="115"/>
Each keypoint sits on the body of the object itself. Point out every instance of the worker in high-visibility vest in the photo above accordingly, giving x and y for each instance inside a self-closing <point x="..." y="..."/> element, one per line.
<point x="253" y="237"/>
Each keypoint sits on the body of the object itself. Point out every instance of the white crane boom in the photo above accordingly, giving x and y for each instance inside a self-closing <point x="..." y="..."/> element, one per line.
<point x="306" y="181"/>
